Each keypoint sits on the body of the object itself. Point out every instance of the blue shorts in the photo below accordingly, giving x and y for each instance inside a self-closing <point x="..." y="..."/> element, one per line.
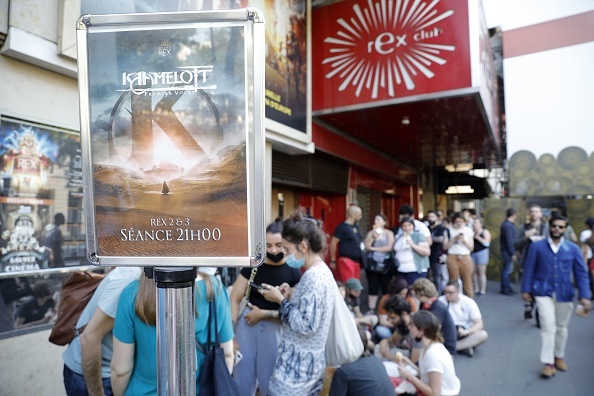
<point x="480" y="257"/>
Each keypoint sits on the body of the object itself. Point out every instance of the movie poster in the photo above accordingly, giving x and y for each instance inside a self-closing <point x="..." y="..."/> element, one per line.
<point x="41" y="198"/>
<point x="286" y="61"/>
<point x="286" y="47"/>
<point x="169" y="125"/>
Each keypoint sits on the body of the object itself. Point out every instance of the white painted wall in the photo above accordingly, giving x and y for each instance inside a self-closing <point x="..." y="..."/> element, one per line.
<point x="37" y="94"/>
<point x="513" y="14"/>
<point x="549" y="95"/>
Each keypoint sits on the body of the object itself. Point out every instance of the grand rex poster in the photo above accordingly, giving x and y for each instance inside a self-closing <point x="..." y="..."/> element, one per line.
<point x="40" y="197"/>
<point x="169" y="120"/>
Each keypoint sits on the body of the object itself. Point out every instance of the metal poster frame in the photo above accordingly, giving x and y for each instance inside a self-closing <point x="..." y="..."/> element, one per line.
<point x="182" y="206"/>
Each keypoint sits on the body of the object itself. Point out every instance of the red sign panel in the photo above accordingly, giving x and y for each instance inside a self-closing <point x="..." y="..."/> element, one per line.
<point x="367" y="51"/>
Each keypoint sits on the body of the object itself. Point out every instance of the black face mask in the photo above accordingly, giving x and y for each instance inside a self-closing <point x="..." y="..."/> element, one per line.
<point x="275" y="258"/>
<point x="418" y="339"/>
<point x="431" y="222"/>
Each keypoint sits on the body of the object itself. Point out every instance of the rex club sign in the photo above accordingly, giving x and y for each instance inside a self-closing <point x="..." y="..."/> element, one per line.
<point x="367" y="51"/>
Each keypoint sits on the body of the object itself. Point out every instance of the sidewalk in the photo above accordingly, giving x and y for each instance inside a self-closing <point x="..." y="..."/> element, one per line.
<point x="508" y="363"/>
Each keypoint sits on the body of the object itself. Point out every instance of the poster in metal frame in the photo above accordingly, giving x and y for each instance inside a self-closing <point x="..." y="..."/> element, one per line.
<point x="172" y="137"/>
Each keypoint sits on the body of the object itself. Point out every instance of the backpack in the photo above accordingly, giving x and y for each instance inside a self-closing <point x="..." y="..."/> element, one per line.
<point x="76" y="293"/>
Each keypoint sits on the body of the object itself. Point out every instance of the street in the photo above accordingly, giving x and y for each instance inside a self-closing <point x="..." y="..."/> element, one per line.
<point x="508" y="363"/>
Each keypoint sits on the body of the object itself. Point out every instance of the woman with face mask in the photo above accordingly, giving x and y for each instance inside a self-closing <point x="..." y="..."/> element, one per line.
<point x="258" y="328"/>
<point x="437" y="374"/>
<point x="305" y="312"/>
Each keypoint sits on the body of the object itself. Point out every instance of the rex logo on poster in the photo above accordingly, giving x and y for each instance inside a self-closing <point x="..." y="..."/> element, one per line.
<point x="390" y="48"/>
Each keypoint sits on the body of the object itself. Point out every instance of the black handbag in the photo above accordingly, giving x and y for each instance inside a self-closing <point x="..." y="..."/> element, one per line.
<point x="393" y="263"/>
<point x="216" y="379"/>
<point x="380" y="267"/>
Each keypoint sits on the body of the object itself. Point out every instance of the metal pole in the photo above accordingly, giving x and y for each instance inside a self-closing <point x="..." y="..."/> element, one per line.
<point x="176" y="345"/>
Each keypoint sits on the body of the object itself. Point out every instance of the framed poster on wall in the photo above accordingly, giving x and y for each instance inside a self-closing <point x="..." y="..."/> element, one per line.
<point x="172" y="110"/>
<point x="41" y="198"/>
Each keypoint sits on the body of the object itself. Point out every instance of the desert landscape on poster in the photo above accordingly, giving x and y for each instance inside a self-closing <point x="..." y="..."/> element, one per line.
<point x="169" y="143"/>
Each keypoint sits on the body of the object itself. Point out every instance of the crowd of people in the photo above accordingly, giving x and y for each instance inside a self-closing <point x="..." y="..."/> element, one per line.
<point x="274" y="322"/>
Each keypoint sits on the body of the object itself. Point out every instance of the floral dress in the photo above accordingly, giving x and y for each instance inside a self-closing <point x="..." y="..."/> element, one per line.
<point x="301" y="361"/>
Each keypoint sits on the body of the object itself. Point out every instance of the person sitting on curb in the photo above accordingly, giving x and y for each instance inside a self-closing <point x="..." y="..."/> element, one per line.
<point x="400" y="343"/>
<point x="385" y="328"/>
<point x="353" y="288"/>
<point x="426" y="292"/>
<point x="365" y="376"/>
<point x="467" y="318"/>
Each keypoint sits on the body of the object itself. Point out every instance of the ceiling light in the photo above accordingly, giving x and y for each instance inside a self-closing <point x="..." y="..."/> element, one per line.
<point x="459" y="190"/>
<point x="459" y="167"/>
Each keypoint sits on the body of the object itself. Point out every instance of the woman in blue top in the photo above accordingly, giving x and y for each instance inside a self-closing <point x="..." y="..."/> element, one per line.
<point x="134" y="361"/>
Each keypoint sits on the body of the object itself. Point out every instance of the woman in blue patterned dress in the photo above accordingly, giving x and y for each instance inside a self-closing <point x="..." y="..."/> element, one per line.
<point x="305" y="311"/>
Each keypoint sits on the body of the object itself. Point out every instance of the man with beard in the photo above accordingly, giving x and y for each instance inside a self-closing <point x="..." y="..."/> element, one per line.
<point x="392" y="348"/>
<point x="439" y="270"/>
<point x="547" y="280"/>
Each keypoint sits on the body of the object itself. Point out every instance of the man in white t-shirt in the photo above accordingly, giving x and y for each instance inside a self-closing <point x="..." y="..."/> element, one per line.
<point x="467" y="318"/>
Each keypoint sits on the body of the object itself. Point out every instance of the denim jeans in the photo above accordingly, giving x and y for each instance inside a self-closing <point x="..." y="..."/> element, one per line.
<point x="507" y="269"/>
<point x="74" y="384"/>
<point x="411" y="277"/>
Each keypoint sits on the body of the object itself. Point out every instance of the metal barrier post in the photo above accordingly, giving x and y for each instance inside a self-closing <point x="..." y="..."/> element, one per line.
<point x="176" y="348"/>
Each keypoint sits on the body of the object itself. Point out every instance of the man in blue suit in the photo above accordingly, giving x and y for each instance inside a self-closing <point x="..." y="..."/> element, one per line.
<point x="547" y="276"/>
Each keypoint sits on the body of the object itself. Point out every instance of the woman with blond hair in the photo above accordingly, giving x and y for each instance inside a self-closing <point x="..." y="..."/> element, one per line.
<point x="134" y="361"/>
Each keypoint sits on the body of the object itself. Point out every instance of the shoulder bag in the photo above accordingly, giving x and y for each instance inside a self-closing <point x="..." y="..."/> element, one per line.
<point x="344" y="344"/>
<point x="216" y="379"/>
<point x="246" y="297"/>
<point x="379" y="262"/>
<point x="74" y="297"/>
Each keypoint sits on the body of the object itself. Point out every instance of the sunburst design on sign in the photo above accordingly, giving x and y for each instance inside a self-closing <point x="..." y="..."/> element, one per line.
<point x="386" y="44"/>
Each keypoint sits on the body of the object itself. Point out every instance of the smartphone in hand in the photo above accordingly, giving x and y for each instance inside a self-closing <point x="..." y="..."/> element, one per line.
<point x="256" y="286"/>
<point x="238" y="357"/>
